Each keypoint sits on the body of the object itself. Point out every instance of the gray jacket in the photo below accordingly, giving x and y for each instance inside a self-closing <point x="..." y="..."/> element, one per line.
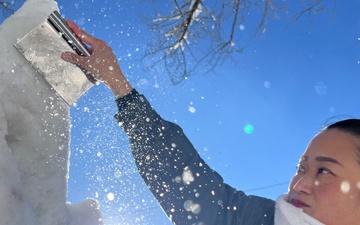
<point x="187" y="189"/>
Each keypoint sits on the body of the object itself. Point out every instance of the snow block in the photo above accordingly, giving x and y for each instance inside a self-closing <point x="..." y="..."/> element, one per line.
<point x="85" y="213"/>
<point x="34" y="132"/>
<point x="12" y="196"/>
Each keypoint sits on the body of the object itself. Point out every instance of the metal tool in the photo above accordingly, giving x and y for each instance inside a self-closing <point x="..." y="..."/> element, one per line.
<point x="43" y="46"/>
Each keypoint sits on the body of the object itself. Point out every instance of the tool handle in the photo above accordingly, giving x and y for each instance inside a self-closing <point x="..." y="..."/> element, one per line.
<point x="62" y="27"/>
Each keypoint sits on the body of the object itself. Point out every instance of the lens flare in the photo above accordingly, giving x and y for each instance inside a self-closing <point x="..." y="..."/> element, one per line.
<point x="248" y="129"/>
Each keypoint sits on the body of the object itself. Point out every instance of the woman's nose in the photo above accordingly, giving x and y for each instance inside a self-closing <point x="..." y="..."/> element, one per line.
<point x="304" y="185"/>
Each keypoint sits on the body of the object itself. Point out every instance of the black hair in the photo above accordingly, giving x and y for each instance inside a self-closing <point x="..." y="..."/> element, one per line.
<point x="350" y="126"/>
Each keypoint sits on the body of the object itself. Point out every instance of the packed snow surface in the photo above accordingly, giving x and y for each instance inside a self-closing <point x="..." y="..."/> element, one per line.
<point x="34" y="136"/>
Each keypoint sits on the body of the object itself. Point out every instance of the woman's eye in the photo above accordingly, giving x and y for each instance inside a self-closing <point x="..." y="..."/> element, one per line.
<point x="324" y="171"/>
<point x="300" y="169"/>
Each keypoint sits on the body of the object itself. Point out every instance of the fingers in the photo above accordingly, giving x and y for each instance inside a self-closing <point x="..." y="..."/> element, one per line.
<point x="90" y="78"/>
<point x="74" y="28"/>
<point x="73" y="58"/>
<point x="87" y="38"/>
<point x="78" y="60"/>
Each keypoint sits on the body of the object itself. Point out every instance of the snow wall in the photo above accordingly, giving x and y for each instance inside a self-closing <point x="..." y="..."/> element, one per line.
<point x="34" y="136"/>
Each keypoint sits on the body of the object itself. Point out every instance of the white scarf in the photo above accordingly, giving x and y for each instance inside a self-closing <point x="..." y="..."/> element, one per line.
<point x="287" y="214"/>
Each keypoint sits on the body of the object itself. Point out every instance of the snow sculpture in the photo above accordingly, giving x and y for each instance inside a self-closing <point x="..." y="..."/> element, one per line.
<point x="34" y="136"/>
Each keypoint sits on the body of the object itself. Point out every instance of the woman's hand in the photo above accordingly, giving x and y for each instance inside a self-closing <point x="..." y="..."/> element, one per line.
<point x="101" y="65"/>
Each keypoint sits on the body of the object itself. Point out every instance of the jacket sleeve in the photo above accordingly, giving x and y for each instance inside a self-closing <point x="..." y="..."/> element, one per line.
<point x="187" y="189"/>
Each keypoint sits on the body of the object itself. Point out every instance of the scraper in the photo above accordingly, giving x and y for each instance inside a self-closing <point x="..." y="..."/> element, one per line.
<point x="43" y="46"/>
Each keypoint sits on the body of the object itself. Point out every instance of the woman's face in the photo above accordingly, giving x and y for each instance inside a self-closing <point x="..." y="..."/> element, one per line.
<point x="327" y="183"/>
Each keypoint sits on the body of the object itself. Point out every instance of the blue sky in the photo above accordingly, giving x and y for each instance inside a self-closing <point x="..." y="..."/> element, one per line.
<point x="287" y="83"/>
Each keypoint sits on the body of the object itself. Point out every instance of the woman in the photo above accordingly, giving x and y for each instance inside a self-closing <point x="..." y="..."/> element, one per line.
<point x="324" y="190"/>
<point x="327" y="183"/>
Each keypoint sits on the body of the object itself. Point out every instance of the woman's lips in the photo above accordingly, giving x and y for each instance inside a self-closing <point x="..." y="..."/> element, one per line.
<point x="299" y="204"/>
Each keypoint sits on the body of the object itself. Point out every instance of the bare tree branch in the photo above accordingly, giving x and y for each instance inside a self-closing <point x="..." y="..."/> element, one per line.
<point x="313" y="7"/>
<point x="198" y="35"/>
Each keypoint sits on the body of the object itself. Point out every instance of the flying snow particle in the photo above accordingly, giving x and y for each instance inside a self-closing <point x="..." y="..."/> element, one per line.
<point x="242" y="27"/>
<point x="80" y="21"/>
<point x="178" y="179"/>
<point x="267" y="84"/>
<point x="187" y="176"/>
<point x="192" y="109"/>
<point x="117" y="174"/>
<point x="345" y="186"/>
<point x="320" y="88"/>
<point x="187" y="205"/>
<point x="358" y="184"/>
<point x="143" y="83"/>
<point x="110" y="196"/>
<point x="190" y="206"/>
<point x="195" y="208"/>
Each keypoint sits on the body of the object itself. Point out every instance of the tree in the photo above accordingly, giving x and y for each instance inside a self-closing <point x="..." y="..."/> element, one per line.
<point x="198" y="35"/>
